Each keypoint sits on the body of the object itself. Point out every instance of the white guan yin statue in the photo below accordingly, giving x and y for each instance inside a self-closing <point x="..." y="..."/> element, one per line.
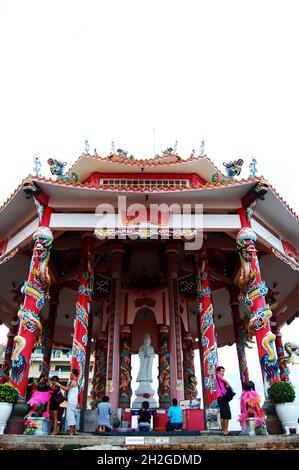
<point x="145" y="375"/>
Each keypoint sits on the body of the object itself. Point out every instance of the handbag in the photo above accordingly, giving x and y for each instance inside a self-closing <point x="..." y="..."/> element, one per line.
<point x="63" y="404"/>
<point x="229" y="394"/>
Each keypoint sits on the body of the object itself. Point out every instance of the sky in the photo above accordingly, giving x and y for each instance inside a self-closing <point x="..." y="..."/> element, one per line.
<point x="223" y="71"/>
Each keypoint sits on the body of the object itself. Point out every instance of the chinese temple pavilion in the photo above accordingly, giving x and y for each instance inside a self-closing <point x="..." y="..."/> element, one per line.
<point x="102" y="289"/>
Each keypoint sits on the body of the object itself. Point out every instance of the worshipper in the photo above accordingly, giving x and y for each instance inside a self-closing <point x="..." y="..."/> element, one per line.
<point x="175" y="413"/>
<point x="104" y="413"/>
<point x="144" y="417"/>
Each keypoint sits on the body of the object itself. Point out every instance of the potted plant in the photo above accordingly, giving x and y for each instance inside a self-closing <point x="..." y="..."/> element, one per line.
<point x="8" y="396"/>
<point x="30" y="426"/>
<point x="283" y="395"/>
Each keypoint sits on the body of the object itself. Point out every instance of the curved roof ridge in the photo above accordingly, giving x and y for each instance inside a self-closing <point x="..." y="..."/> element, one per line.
<point x="169" y="159"/>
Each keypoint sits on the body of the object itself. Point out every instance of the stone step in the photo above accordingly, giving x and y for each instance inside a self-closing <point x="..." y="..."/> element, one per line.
<point x="176" y="442"/>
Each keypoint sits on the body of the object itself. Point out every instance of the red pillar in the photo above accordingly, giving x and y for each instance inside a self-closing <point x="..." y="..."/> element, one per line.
<point x="35" y="290"/>
<point x="8" y="350"/>
<point x="254" y="292"/>
<point x="240" y="335"/>
<point x="207" y="336"/>
<point x="190" y="381"/>
<point x="125" y="391"/>
<point x="100" y="370"/>
<point x="112" y="383"/>
<point x="49" y="330"/>
<point x="164" y="368"/>
<point x="283" y="360"/>
<point x="175" y="338"/>
<point x="87" y="361"/>
<point x="83" y="307"/>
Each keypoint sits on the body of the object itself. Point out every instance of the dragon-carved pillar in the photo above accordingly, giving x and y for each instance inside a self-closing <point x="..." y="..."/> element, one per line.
<point x="164" y="368"/>
<point x="35" y="290"/>
<point x="8" y="350"/>
<point x="207" y="335"/>
<point x="190" y="381"/>
<point x="283" y="360"/>
<point x="83" y="307"/>
<point x="240" y="334"/>
<point x="125" y="391"/>
<point x="254" y="291"/>
<point x="100" y="370"/>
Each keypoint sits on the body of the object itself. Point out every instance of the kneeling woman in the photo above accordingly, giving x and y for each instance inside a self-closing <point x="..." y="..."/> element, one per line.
<point x="104" y="415"/>
<point x="225" y="413"/>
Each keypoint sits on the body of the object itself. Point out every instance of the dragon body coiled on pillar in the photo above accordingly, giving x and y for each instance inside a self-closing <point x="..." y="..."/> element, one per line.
<point x="257" y="321"/>
<point x="283" y="361"/>
<point x="210" y="360"/>
<point x="30" y="321"/>
<point x="251" y="286"/>
<point x="254" y="292"/>
<point x="99" y="379"/>
<point x="78" y="352"/>
<point x="164" y="368"/>
<point x="19" y="362"/>
<point x="125" y="371"/>
<point x="43" y="242"/>
<point x="268" y="361"/>
<point x="246" y="239"/>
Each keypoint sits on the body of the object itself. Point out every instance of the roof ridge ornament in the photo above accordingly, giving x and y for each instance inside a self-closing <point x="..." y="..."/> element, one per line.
<point x="253" y="167"/>
<point x="57" y="169"/>
<point x="86" y="143"/>
<point x="120" y="155"/>
<point x="233" y="169"/>
<point x="37" y="165"/>
<point x="202" y="148"/>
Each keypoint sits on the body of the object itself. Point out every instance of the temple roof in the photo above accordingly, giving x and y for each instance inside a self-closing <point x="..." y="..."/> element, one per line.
<point x="274" y="211"/>
<point x="172" y="163"/>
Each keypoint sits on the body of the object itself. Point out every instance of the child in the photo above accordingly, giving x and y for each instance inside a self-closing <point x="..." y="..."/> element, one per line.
<point x="40" y="398"/>
<point x="251" y="408"/>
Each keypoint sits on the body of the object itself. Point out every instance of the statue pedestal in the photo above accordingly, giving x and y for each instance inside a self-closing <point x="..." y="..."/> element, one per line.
<point x="145" y="392"/>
